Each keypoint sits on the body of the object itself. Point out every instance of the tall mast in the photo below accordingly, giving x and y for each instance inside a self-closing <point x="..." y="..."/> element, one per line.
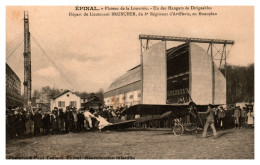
<point x="27" y="62"/>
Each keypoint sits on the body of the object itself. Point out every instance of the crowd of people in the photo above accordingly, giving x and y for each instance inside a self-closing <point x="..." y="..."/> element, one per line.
<point x="26" y="122"/>
<point x="223" y="118"/>
<point x="233" y="117"/>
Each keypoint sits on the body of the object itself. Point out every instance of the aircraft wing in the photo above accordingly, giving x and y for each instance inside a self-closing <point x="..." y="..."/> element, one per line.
<point x="121" y="125"/>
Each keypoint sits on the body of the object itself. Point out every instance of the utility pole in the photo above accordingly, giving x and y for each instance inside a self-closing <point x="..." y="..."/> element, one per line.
<point x="27" y="62"/>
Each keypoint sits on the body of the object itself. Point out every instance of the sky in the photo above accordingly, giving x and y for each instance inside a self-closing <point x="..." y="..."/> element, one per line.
<point x="91" y="52"/>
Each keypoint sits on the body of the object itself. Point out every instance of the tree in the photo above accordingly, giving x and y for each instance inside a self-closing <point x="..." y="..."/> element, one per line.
<point x="36" y="94"/>
<point x="84" y="94"/>
<point x="100" y="94"/>
<point x="47" y="92"/>
<point x="240" y="83"/>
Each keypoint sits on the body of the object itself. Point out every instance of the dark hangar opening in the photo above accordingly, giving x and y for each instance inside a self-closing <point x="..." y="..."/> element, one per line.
<point x="178" y="74"/>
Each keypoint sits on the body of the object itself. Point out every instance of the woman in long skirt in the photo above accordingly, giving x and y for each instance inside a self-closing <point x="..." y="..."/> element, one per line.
<point x="250" y="119"/>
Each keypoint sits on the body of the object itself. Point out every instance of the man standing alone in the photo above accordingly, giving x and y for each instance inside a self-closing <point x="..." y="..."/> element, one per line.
<point x="209" y="122"/>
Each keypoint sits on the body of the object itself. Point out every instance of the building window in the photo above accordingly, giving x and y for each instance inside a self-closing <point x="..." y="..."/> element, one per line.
<point x="73" y="104"/>
<point x="139" y="94"/>
<point x="131" y="96"/>
<point x="117" y="99"/>
<point x="68" y="95"/>
<point x="61" y="103"/>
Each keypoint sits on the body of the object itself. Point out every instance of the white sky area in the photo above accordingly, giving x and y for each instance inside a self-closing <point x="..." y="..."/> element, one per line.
<point x="94" y="51"/>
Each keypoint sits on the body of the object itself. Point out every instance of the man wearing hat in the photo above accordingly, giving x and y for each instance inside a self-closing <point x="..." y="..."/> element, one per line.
<point x="37" y="122"/>
<point x="46" y="122"/>
<point x="29" y="124"/>
<point x="75" y="120"/>
<point x="81" y="119"/>
<point x="221" y="116"/>
<point x="60" y="120"/>
<point x="67" y="119"/>
<point x="237" y="116"/>
<point x="11" y="120"/>
<point x="243" y="117"/>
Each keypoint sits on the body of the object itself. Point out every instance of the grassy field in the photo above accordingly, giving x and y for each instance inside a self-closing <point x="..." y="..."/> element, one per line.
<point x="138" y="144"/>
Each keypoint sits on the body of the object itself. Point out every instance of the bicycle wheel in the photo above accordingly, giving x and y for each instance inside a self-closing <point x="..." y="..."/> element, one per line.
<point x="190" y="127"/>
<point x="178" y="129"/>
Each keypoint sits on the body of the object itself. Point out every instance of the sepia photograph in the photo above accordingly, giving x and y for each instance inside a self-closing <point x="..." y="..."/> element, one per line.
<point x="129" y="82"/>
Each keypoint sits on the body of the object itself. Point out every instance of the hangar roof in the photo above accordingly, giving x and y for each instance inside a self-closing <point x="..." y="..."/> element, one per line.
<point x="131" y="76"/>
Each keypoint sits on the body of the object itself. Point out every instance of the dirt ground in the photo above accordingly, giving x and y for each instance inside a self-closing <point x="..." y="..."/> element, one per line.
<point x="135" y="144"/>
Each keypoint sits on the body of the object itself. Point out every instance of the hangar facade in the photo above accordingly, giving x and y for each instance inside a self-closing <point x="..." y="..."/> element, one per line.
<point x="176" y="75"/>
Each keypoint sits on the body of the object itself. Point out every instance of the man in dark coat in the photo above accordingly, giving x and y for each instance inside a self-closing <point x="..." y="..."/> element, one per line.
<point x="61" y="118"/>
<point x="75" y="120"/>
<point x="11" y="124"/>
<point x="71" y="120"/>
<point x="19" y="124"/>
<point x="46" y="123"/>
<point x="37" y="122"/>
<point x="53" y="122"/>
<point x="66" y="119"/>
<point x="105" y="113"/>
<point x="80" y="116"/>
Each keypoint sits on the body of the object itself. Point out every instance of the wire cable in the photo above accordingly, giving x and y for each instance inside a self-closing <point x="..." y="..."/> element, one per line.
<point x="14" y="50"/>
<point x="54" y="64"/>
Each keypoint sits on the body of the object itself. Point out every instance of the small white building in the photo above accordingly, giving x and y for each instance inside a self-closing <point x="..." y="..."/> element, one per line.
<point x="67" y="98"/>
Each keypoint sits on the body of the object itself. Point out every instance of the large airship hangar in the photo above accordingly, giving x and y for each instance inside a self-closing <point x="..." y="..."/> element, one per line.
<point x="176" y="75"/>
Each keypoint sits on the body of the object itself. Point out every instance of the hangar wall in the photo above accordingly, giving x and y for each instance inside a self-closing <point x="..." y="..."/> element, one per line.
<point x="220" y="96"/>
<point x="154" y="74"/>
<point x="202" y="77"/>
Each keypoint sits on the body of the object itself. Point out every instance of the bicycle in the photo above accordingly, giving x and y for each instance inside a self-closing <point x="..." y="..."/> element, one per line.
<point x="179" y="127"/>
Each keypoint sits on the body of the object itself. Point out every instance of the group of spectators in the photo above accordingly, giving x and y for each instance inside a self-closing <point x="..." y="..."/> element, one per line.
<point x="26" y="122"/>
<point x="219" y="117"/>
<point x="233" y="117"/>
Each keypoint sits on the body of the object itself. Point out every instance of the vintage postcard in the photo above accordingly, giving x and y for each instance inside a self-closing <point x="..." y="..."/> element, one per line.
<point x="130" y="82"/>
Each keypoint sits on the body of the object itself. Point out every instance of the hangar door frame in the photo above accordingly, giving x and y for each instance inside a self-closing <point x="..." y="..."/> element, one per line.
<point x="145" y="44"/>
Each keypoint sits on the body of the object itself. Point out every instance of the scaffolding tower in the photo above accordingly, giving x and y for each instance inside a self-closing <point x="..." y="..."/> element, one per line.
<point x="27" y="62"/>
